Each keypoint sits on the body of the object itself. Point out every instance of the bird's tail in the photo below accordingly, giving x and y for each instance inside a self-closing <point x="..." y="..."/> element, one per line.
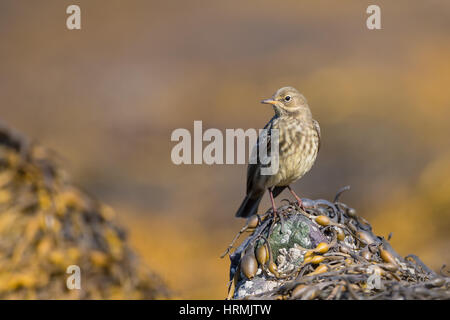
<point x="248" y="207"/>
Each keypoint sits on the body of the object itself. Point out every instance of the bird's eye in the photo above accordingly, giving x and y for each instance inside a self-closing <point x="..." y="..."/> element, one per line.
<point x="287" y="98"/>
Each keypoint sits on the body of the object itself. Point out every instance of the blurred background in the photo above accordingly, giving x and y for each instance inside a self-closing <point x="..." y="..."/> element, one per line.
<point x="107" y="97"/>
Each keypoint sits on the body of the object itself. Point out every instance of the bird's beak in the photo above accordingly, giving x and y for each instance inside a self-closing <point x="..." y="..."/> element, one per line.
<point x="269" y="101"/>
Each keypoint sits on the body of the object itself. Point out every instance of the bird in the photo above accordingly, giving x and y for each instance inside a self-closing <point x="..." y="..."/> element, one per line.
<point x="299" y="140"/>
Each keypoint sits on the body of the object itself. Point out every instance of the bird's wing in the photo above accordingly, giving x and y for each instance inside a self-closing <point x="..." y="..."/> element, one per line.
<point x="256" y="181"/>
<point x="317" y="128"/>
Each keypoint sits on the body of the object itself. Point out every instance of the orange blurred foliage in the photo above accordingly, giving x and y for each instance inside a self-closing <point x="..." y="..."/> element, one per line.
<point x="107" y="98"/>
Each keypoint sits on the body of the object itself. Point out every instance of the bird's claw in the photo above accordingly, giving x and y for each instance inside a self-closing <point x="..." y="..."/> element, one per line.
<point x="277" y="216"/>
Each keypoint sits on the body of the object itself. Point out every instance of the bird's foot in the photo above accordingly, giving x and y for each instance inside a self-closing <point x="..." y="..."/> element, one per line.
<point x="301" y="205"/>
<point x="277" y="217"/>
<point x="298" y="204"/>
<point x="282" y="220"/>
<point x="307" y="204"/>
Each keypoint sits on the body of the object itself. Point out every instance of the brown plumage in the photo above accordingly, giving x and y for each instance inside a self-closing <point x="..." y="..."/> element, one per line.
<point x="299" y="142"/>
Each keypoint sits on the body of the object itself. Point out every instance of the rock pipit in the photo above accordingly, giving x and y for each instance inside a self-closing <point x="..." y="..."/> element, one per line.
<point x="299" y="142"/>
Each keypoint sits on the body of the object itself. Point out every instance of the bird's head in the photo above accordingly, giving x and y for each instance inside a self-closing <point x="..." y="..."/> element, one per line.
<point x="288" y="101"/>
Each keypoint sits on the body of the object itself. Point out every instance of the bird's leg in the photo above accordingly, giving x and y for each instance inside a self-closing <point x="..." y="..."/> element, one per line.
<point x="275" y="213"/>
<point x="274" y="208"/>
<point x="299" y="201"/>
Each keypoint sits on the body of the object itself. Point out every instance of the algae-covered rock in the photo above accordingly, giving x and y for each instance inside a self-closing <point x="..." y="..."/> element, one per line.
<point x="48" y="225"/>
<point x="296" y="230"/>
<point x="288" y="241"/>
<point x="340" y="258"/>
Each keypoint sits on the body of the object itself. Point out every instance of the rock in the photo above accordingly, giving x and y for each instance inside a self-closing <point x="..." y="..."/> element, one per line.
<point x="356" y="265"/>
<point x="47" y="224"/>
<point x="288" y="242"/>
<point x="297" y="230"/>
